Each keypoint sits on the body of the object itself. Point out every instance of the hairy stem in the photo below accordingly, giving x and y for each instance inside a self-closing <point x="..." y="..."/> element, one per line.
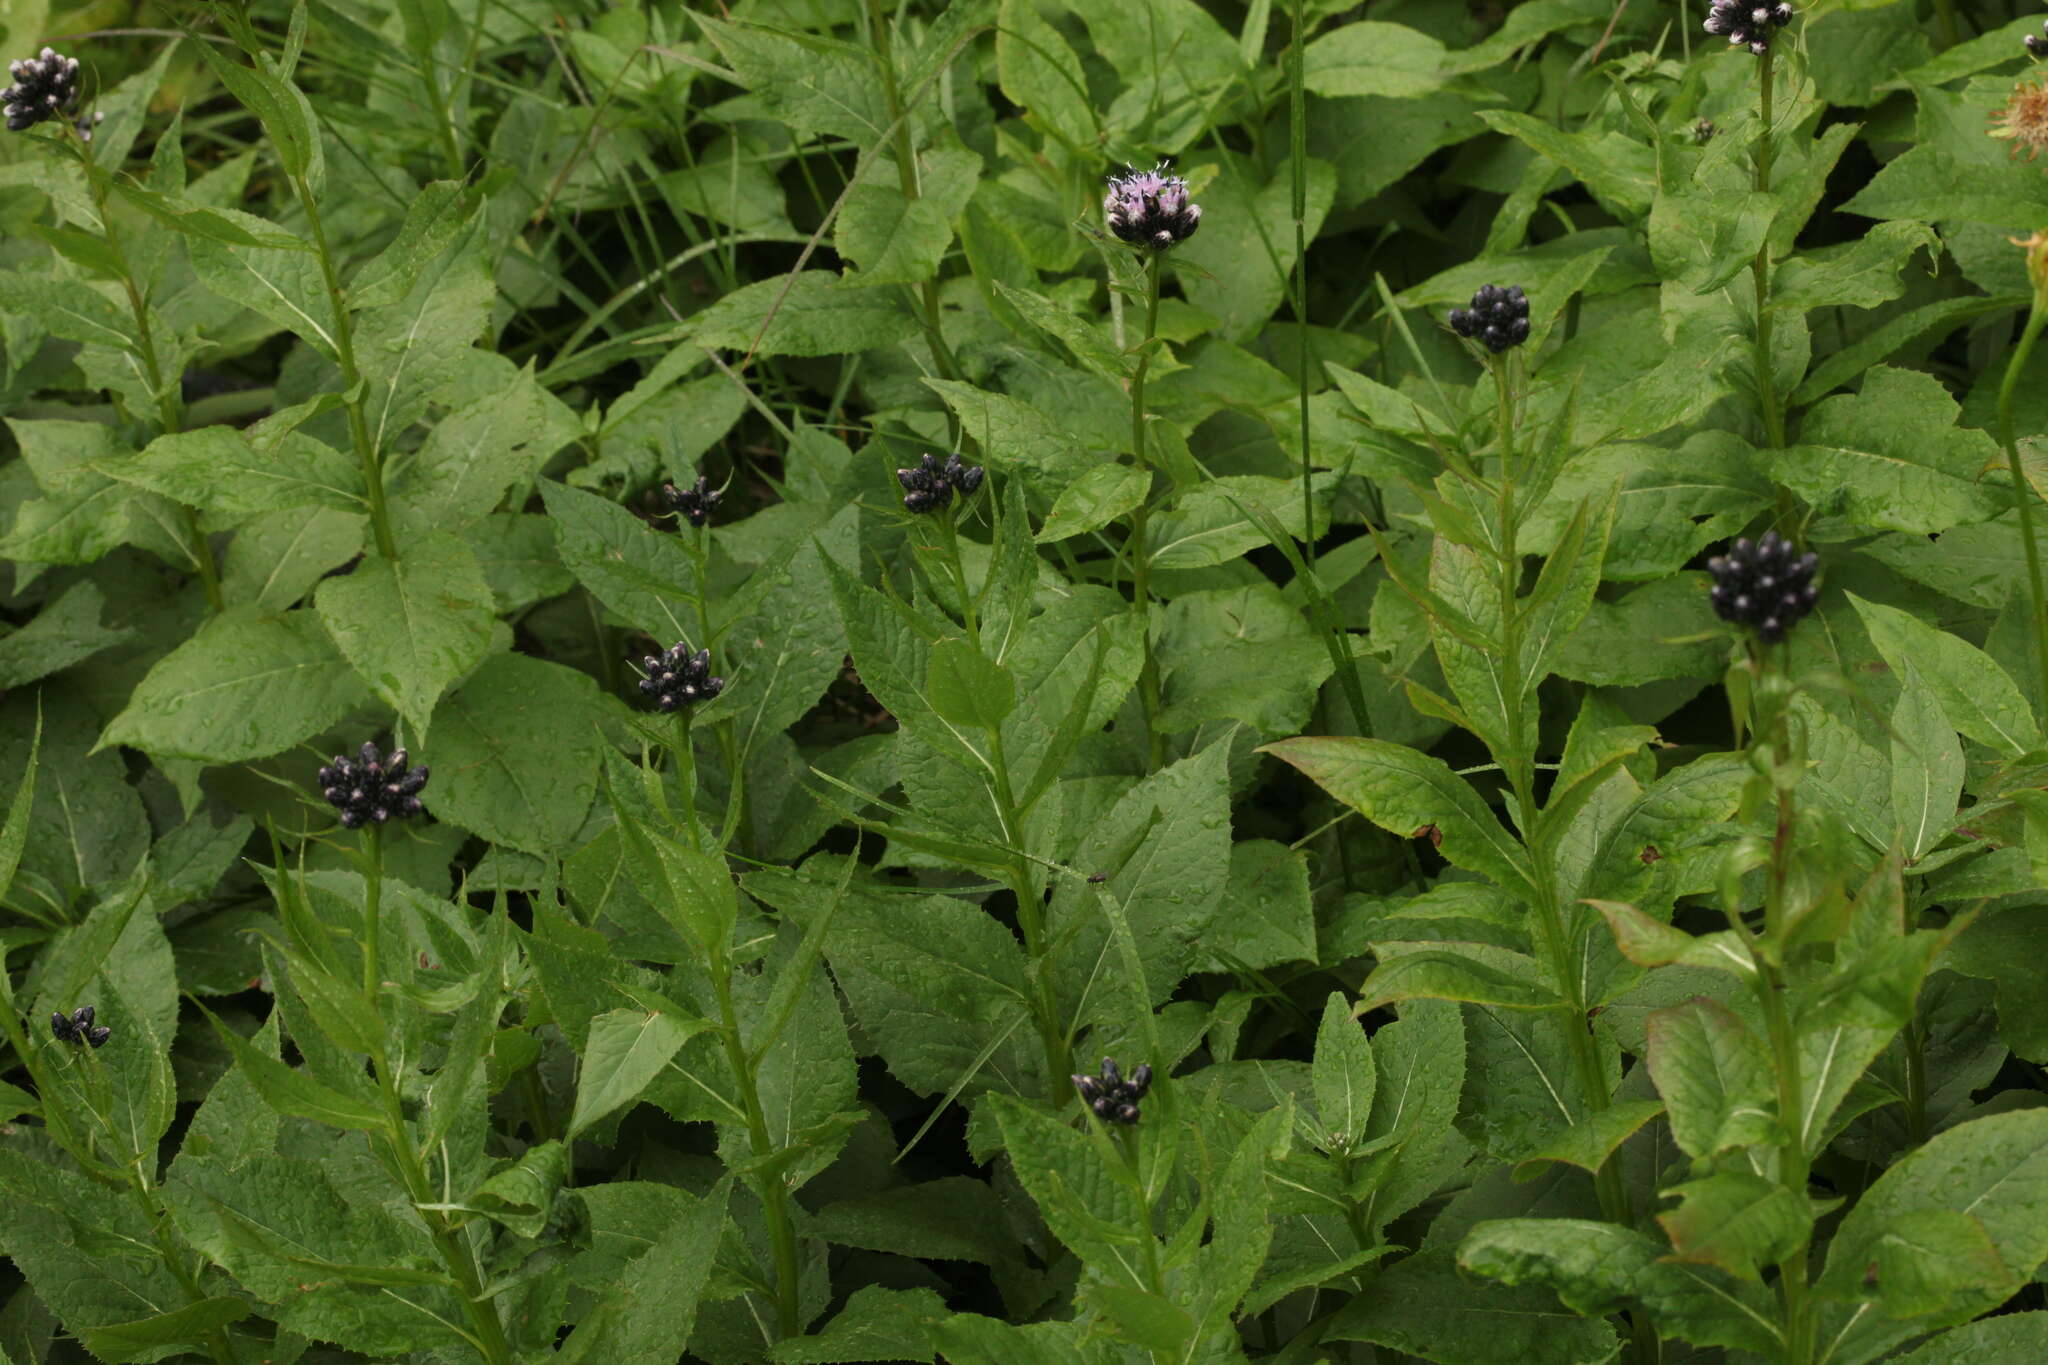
<point x="1141" y="568"/>
<point x="351" y="378"/>
<point x="2022" y="491"/>
<point x="768" y="1182"/>
<point x="170" y="401"/>
<point x="1760" y="268"/>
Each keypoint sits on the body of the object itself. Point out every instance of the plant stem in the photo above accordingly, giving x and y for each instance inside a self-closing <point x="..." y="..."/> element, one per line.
<point x="1519" y="764"/>
<point x="1916" y="1080"/>
<point x="351" y="378"/>
<point x="906" y="171"/>
<point x="456" y="1256"/>
<point x="2022" y="491"/>
<point x="951" y="537"/>
<point x="1945" y="22"/>
<point x="768" y="1182"/>
<point x="373" y="894"/>
<point x="1297" y="133"/>
<point x="1793" y="1160"/>
<point x="1760" y="271"/>
<point x="169" y="400"/>
<point x="1141" y="568"/>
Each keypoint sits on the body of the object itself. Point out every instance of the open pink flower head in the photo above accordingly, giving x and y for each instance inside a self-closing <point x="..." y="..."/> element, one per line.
<point x="1150" y="208"/>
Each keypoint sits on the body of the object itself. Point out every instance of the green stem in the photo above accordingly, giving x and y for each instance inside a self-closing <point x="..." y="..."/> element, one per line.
<point x="1760" y="270"/>
<point x="1793" y="1158"/>
<point x="951" y="536"/>
<point x="373" y="894"/>
<point x="1297" y="132"/>
<point x="170" y="404"/>
<point x="2022" y="491"/>
<point x="1916" y="1080"/>
<point x="1128" y="1139"/>
<point x="454" y="1251"/>
<point x="906" y="172"/>
<point x="1520" y="765"/>
<point x="351" y="377"/>
<point x="768" y="1182"/>
<point x="159" y="1219"/>
<point x="1945" y="22"/>
<point x="1141" y="568"/>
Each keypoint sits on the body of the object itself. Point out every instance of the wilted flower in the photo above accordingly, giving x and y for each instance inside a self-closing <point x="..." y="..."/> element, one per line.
<point x="371" y="789"/>
<point x="1766" y="586"/>
<point x="2023" y="119"/>
<point x="929" y="485"/>
<point x="44" y="87"/>
<point x="679" y="678"/>
<point x="1497" y="319"/>
<point x="1114" y="1099"/>
<point x="694" y="504"/>
<point x="1150" y="208"/>
<point x="1747" y="24"/>
<point x="77" y="1028"/>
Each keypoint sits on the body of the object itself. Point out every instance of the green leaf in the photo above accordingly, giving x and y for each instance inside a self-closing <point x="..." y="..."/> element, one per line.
<point x="1716" y="1078"/>
<point x="2008" y="1339"/>
<point x="1038" y="73"/>
<point x="966" y="688"/>
<point x="219" y="470"/>
<point x="245" y="686"/>
<point x="1598" y="1269"/>
<point x="894" y="240"/>
<point x="808" y="313"/>
<point x="626" y="1051"/>
<point x="414" y="625"/>
<point x="66" y="632"/>
<point x="1238" y="654"/>
<point x="1372" y="58"/>
<point x="294" y="1093"/>
<point x="286" y="287"/>
<point x="876" y="1324"/>
<point x="1423" y="1307"/>
<point x="626" y="564"/>
<point x="1100" y="496"/>
<point x="1701" y="236"/>
<point x="1979" y="698"/>
<point x="1343" y="1074"/>
<point x="1206" y="526"/>
<point x="1083" y="1200"/>
<point x="1991" y="1171"/>
<point x="516" y="753"/>
<point x="1859" y="274"/>
<point x="691" y="890"/>
<point x="437" y="216"/>
<point x="804" y="81"/>
<point x="187" y="1326"/>
<point x="1589" y="1143"/>
<point x="1016" y="435"/>
<point x="1927" y="766"/>
<point x="1477" y="973"/>
<point x="1407" y="793"/>
<point x="1736" y="1220"/>
<point x="1891" y="457"/>
<point x="478" y="451"/>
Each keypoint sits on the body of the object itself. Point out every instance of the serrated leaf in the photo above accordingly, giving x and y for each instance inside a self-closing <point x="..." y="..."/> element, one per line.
<point x="413" y="626"/>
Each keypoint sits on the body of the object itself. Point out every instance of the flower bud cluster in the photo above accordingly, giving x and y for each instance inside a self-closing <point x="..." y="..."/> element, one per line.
<point x="1766" y="586"/>
<point x="45" y="86"/>
<point x="77" y="1028"/>
<point x="929" y="486"/>
<point x="1497" y="319"/>
<point x="2037" y="45"/>
<point x="1150" y="208"/>
<point x="1114" y="1099"/>
<point x="694" y="504"/>
<point x="679" y="678"/>
<point x="371" y="789"/>
<point x="1746" y="23"/>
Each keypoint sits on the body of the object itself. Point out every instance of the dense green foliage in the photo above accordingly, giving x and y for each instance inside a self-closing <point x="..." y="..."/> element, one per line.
<point x="1536" y="960"/>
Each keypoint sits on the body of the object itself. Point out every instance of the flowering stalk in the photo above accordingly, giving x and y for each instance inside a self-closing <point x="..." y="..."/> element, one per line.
<point x="46" y="88"/>
<point x="2022" y="491"/>
<point x="1141" y="566"/>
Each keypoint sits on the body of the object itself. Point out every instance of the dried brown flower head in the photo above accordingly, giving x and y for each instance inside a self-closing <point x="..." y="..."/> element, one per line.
<point x="2024" y="119"/>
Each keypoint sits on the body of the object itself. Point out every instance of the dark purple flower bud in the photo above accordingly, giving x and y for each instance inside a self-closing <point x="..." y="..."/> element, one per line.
<point x="696" y="503"/>
<point x="1763" y="586"/>
<point x="679" y="678"/>
<point x="1114" y="1099"/>
<point x="373" y="789"/>
<point x="1141" y="1080"/>
<point x="929" y="485"/>
<point x="1150" y="208"/>
<point x="1744" y="23"/>
<point x="1497" y="318"/>
<point x="45" y="87"/>
<point x="98" y="1037"/>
